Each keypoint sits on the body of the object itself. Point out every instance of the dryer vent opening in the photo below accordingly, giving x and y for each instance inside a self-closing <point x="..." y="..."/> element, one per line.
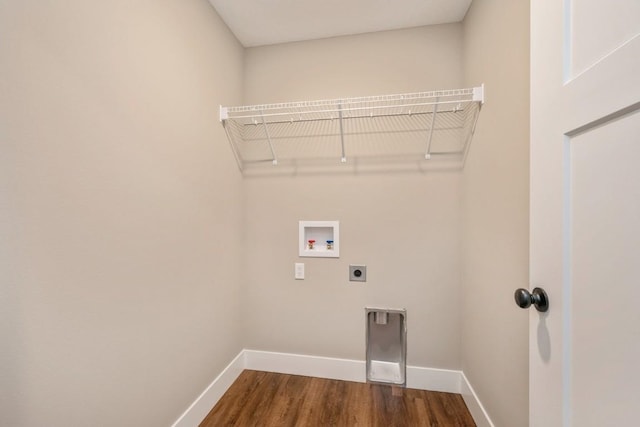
<point x="386" y="346"/>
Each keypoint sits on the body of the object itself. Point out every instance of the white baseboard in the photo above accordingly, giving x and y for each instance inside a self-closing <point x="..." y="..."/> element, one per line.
<point x="310" y="366"/>
<point x="199" y="409"/>
<point x="443" y="380"/>
<point x="474" y="405"/>
<point x="347" y="370"/>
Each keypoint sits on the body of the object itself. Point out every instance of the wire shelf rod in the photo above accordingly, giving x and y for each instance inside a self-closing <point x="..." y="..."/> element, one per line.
<point x="371" y="99"/>
<point x="374" y="107"/>
<point x="354" y="133"/>
<point x="423" y="113"/>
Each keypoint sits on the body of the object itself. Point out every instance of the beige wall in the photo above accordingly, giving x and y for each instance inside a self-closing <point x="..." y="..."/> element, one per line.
<point x="495" y="210"/>
<point x="120" y="210"/>
<point x="424" y="58"/>
<point x="403" y="226"/>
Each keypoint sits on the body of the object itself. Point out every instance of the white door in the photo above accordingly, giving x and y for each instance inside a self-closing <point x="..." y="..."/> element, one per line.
<point x="585" y="212"/>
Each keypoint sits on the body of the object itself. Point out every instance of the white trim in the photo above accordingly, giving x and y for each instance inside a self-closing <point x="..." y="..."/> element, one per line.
<point x="199" y="409"/>
<point x="444" y="380"/>
<point x="474" y="405"/>
<point x="347" y="370"/>
<point x="310" y="366"/>
<point x="433" y="379"/>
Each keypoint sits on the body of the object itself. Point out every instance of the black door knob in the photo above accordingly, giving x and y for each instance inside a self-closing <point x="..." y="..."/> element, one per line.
<point x="538" y="297"/>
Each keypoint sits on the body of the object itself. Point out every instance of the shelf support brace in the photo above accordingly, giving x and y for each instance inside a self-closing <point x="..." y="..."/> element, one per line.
<point x="266" y="131"/>
<point x="343" y="159"/>
<point x="427" y="155"/>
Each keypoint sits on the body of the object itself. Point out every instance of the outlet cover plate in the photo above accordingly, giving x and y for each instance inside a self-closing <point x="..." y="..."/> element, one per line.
<point x="357" y="273"/>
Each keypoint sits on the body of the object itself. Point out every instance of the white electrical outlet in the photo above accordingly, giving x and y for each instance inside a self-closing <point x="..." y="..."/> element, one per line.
<point x="299" y="271"/>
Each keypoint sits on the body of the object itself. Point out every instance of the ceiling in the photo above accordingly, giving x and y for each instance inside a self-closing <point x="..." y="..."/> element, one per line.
<point x="263" y="22"/>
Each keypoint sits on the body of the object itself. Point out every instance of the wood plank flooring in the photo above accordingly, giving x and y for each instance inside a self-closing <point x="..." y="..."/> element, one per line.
<point x="268" y="399"/>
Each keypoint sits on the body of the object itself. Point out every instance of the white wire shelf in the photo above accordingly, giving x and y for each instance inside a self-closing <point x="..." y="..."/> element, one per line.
<point x="422" y="126"/>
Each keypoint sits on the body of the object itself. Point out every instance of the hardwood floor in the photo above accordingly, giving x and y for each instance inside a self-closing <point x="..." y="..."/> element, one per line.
<point x="268" y="399"/>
